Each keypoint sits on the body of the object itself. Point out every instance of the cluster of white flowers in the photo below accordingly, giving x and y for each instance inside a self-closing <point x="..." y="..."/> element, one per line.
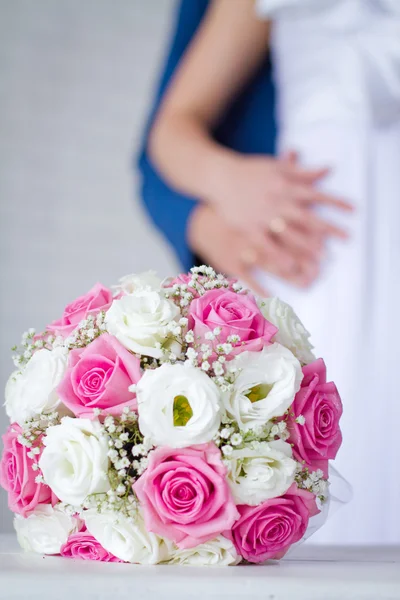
<point x="24" y="352"/>
<point x="87" y="331"/>
<point x="201" y="280"/>
<point x="191" y="390"/>
<point x="314" y="481"/>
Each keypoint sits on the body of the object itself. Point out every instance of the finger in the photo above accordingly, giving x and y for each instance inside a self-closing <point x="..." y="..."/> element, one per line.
<point x="309" y="272"/>
<point x="301" y="276"/>
<point x="275" y="258"/>
<point x="271" y="252"/>
<point x="245" y="275"/>
<point x="291" y="157"/>
<point x="312" y="196"/>
<point x="315" y="225"/>
<point x="304" y="176"/>
<point x="280" y="262"/>
<point x="300" y="242"/>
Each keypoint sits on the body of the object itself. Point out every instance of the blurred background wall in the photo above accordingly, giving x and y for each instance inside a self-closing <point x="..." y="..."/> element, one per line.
<point x="75" y="83"/>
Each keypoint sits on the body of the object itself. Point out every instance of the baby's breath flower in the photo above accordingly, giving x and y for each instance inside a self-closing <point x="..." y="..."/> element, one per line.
<point x="191" y="354"/>
<point x="236" y="439"/>
<point x="218" y="368"/>
<point x="227" y="450"/>
<point x="226" y="432"/>
<point x="189" y="337"/>
<point x="274" y="430"/>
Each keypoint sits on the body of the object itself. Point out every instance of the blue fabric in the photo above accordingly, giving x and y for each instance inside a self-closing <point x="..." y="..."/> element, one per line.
<point x="248" y="126"/>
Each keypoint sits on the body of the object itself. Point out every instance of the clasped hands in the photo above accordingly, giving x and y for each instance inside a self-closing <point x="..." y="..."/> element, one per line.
<point x="261" y="212"/>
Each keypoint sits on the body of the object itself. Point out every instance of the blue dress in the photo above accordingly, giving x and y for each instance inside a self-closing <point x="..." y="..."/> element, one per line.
<point x="248" y="127"/>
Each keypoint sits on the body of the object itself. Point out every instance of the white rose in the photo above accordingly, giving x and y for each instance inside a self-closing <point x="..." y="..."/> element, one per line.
<point x="260" y="471"/>
<point x="217" y="552"/>
<point x="178" y="405"/>
<point x="292" y="333"/>
<point x="130" y="284"/>
<point x="45" y="529"/>
<point x="32" y="391"/>
<point x="74" y="461"/>
<point x="140" y="321"/>
<point x="126" y="538"/>
<point x="265" y="386"/>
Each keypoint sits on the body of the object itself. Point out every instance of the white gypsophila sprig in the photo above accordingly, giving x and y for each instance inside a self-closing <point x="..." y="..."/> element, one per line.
<point x="312" y="481"/>
<point x="128" y="455"/>
<point x="24" y="351"/>
<point x="202" y="279"/>
<point x="211" y="356"/>
<point x="88" y="330"/>
<point x="230" y="433"/>
<point x="31" y="437"/>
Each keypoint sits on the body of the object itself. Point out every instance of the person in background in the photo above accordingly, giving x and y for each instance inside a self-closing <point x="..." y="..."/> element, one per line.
<point x="337" y="67"/>
<point x="246" y="126"/>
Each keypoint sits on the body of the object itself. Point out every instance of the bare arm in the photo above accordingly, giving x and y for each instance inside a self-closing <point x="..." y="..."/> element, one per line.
<point x="249" y="192"/>
<point x="228" y="47"/>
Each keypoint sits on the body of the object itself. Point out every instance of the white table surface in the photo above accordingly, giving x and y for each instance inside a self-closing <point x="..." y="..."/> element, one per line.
<point x="311" y="573"/>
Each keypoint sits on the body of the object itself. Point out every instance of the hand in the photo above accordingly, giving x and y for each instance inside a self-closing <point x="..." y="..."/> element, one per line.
<point x="230" y="252"/>
<point x="260" y="196"/>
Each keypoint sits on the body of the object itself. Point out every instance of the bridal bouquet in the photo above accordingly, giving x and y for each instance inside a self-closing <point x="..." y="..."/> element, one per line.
<point x="180" y="422"/>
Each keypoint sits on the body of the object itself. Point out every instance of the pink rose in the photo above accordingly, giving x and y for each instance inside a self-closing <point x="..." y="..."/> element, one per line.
<point x="185" y="495"/>
<point x="99" y="376"/>
<point x="84" y="546"/>
<point x="17" y="476"/>
<point x="235" y="314"/>
<point x="267" y="531"/>
<point x="319" y="439"/>
<point x="97" y="299"/>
